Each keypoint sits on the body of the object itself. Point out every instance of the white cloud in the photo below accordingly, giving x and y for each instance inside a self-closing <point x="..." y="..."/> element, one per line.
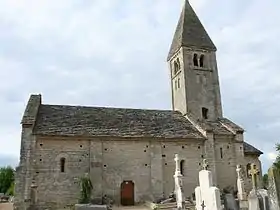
<point x="272" y="156"/>
<point x="113" y="52"/>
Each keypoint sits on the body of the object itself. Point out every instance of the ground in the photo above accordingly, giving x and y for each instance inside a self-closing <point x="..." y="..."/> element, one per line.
<point x="6" y="206"/>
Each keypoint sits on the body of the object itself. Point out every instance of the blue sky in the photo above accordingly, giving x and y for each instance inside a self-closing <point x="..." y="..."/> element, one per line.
<point x="113" y="53"/>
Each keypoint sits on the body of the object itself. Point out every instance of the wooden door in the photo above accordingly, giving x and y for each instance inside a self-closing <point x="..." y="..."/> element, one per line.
<point x="127" y="193"/>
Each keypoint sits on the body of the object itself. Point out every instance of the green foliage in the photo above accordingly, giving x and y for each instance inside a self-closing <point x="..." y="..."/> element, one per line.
<point x="86" y="188"/>
<point x="277" y="161"/>
<point x="7" y="178"/>
<point x="265" y="181"/>
<point x="11" y="190"/>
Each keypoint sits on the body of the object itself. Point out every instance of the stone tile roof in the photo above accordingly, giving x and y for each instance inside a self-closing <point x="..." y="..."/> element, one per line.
<point x="249" y="149"/>
<point x="190" y="32"/>
<point x="101" y="121"/>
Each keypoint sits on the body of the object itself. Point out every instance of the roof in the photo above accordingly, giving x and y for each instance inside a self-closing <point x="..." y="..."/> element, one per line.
<point x="251" y="150"/>
<point x="190" y="32"/>
<point x="104" y="121"/>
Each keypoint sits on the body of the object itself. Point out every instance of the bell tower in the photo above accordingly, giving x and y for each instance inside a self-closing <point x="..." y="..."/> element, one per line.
<point x="193" y="69"/>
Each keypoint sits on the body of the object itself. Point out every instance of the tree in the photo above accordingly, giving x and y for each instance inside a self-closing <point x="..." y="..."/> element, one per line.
<point x="86" y="188"/>
<point x="265" y="181"/>
<point x="277" y="161"/>
<point x="7" y="178"/>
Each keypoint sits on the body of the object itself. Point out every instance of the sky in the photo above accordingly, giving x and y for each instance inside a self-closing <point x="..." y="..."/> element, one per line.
<point x="113" y="53"/>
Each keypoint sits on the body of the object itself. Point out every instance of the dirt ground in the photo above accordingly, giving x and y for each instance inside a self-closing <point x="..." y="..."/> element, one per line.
<point x="6" y="206"/>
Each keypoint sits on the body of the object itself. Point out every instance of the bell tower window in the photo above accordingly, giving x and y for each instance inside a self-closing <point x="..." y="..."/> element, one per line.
<point x="201" y="61"/>
<point x="195" y="60"/>
<point x="176" y="66"/>
<point x="204" y="113"/>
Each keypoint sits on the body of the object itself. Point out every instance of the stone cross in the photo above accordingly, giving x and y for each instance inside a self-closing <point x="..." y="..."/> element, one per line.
<point x="177" y="165"/>
<point x="240" y="184"/>
<point x="205" y="165"/>
<point x="254" y="172"/>
<point x="180" y="199"/>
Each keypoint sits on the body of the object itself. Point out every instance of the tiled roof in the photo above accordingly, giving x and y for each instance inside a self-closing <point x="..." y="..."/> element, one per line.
<point x="249" y="149"/>
<point x="102" y="121"/>
<point x="190" y="32"/>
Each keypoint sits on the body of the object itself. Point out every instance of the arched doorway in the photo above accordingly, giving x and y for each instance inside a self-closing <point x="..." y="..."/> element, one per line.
<point x="127" y="193"/>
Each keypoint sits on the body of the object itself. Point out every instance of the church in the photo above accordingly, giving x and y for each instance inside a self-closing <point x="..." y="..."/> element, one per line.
<point x="129" y="153"/>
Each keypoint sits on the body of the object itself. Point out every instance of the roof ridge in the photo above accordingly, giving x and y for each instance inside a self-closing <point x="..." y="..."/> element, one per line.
<point x="109" y="107"/>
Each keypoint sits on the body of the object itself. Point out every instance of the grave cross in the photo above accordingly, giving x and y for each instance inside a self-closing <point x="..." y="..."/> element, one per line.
<point x="205" y="165"/>
<point x="203" y="205"/>
<point x="254" y="172"/>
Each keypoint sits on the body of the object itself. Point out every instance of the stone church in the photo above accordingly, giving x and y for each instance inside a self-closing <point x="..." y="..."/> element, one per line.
<point x="129" y="153"/>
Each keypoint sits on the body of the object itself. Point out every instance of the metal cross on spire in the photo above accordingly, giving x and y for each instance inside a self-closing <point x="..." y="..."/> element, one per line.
<point x="205" y="164"/>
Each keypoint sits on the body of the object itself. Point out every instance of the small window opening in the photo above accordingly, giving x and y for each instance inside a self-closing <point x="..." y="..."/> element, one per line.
<point x="221" y="152"/>
<point x="183" y="147"/>
<point x="81" y="146"/>
<point x="175" y="84"/>
<point x="163" y="155"/>
<point x="248" y="168"/>
<point x="146" y="164"/>
<point x="62" y="165"/>
<point x="41" y="145"/>
<point x="179" y="84"/>
<point x="176" y="66"/>
<point x="182" y="166"/>
<point x="198" y="147"/>
<point x="201" y="61"/>
<point x="145" y="151"/>
<point x="195" y="60"/>
<point x="204" y="113"/>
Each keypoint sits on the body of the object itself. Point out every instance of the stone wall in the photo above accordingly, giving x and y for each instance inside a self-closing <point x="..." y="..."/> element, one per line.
<point x="149" y="163"/>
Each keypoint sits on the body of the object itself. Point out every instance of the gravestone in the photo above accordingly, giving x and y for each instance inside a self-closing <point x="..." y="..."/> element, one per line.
<point x="230" y="202"/>
<point x="274" y="188"/>
<point x="242" y="195"/>
<point x="207" y="196"/>
<point x="257" y="199"/>
<point x="180" y="199"/>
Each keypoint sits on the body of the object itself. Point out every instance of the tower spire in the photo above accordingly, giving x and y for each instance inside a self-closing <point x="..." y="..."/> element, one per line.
<point x="190" y="32"/>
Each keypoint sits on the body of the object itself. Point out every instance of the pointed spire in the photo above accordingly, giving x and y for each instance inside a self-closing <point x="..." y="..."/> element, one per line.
<point x="190" y="32"/>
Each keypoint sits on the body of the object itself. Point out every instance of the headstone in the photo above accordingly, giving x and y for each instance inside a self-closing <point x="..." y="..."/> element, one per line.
<point x="257" y="198"/>
<point x="207" y="196"/>
<point x="274" y="188"/>
<point x="241" y="184"/>
<point x="230" y="202"/>
<point x="90" y="207"/>
<point x="180" y="199"/>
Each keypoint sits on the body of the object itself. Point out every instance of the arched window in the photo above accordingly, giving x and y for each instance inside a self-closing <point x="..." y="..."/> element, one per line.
<point x="248" y="168"/>
<point x="62" y="165"/>
<point x="201" y="61"/>
<point x="182" y="163"/>
<point x="195" y="60"/>
<point x="204" y="113"/>
<point x="176" y="66"/>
